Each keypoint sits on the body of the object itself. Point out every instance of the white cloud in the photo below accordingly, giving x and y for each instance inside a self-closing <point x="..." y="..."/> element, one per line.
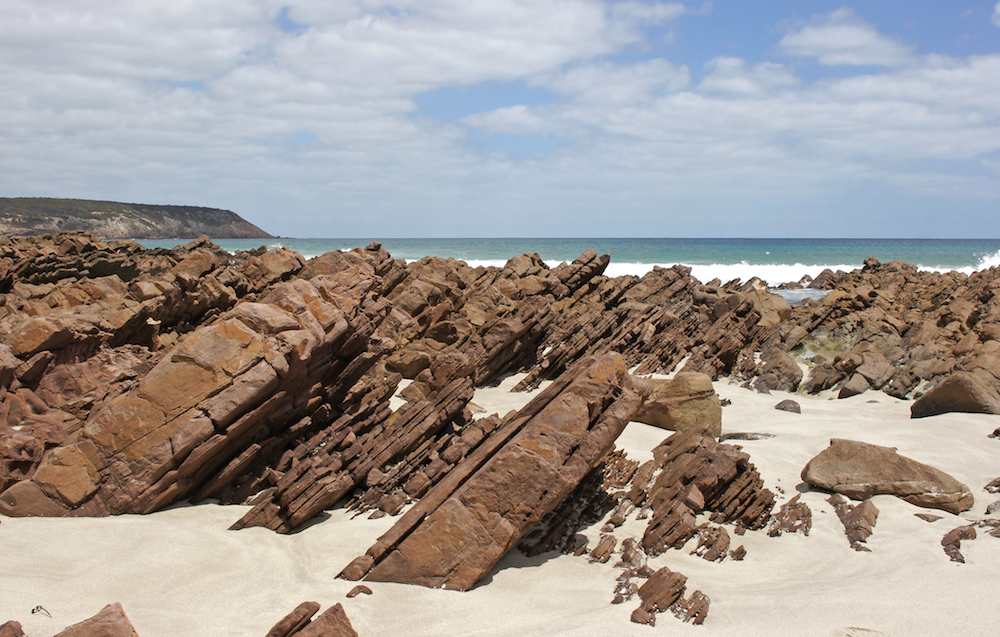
<point x="843" y="38"/>
<point x="727" y="75"/>
<point x="608" y="83"/>
<point x="996" y="14"/>
<point x="203" y="103"/>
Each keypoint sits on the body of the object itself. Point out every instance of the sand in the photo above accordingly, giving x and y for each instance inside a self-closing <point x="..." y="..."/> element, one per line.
<point x="180" y="572"/>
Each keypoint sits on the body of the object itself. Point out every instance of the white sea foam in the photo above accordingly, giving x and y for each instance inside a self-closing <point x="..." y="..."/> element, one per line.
<point x="773" y="274"/>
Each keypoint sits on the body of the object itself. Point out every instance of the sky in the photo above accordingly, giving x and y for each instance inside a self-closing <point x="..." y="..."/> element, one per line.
<point x="514" y="118"/>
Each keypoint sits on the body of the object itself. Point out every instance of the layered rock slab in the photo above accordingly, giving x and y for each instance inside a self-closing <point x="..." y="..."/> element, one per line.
<point x="467" y="522"/>
<point x="860" y="470"/>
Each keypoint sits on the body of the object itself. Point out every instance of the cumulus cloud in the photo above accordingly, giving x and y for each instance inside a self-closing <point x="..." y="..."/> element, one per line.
<point x="728" y="75"/>
<point x="844" y="38"/>
<point x="996" y="14"/>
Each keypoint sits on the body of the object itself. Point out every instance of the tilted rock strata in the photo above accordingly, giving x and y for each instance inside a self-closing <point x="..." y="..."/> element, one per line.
<point x="465" y="524"/>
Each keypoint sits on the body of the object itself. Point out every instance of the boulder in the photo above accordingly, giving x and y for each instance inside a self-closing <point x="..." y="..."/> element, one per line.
<point x="685" y="402"/>
<point x="790" y="406"/>
<point x="856" y="384"/>
<point x="860" y="470"/>
<point x="962" y="392"/>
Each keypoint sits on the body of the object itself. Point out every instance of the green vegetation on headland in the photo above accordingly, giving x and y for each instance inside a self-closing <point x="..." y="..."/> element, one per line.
<point x="111" y="220"/>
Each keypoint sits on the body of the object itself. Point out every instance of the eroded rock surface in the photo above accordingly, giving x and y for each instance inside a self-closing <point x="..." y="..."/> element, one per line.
<point x="860" y="470"/>
<point x="465" y="524"/>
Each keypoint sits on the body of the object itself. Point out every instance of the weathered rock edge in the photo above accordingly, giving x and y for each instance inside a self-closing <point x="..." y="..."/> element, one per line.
<point x="464" y="525"/>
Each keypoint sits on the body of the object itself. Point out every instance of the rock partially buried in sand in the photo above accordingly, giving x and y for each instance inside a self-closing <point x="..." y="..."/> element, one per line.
<point x="110" y="622"/>
<point x="860" y="470"/>
<point x="683" y="402"/>
<point x="962" y="392"/>
<point x="790" y="406"/>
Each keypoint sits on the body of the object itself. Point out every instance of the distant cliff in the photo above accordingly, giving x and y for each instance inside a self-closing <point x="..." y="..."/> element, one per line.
<point x="111" y="220"/>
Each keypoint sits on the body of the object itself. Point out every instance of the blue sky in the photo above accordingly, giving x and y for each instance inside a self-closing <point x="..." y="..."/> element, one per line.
<point x="515" y="118"/>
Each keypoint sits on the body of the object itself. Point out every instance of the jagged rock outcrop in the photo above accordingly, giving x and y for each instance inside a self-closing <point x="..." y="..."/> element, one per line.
<point x="860" y="470"/>
<point x="691" y="473"/>
<point x="211" y="398"/>
<point x="480" y="510"/>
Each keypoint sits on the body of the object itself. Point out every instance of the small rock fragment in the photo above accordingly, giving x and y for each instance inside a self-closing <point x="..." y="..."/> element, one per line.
<point x="793" y="517"/>
<point x="952" y="541"/>
<point x="360" y="589"/>
<point x="694" y="609"/>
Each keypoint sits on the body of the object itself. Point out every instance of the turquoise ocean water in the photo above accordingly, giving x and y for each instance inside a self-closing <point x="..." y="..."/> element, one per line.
<point x="773" y="260"/>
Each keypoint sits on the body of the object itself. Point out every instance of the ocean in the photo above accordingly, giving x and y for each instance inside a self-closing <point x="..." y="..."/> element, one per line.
<point x="775" y="261"/>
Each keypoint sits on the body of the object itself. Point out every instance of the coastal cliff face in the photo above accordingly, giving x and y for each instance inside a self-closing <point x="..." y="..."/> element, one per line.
<point x="131" y="379"/>
<point x="111" y="220"/>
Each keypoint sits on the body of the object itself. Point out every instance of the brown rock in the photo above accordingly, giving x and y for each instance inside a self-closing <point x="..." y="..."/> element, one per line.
<point x="332" y="623"/>
<point x="295" y="620"/>
<point x="465" y="524"/>
<point x="793" y="517"/>
<point x="859" y="521"/>
<point x="661" y="590"/>
<point x="642" y="616"/>
<point x="790" y="406"/>
<point x="684" y="402"/>
<point x="860" y="470"/>
<point x="962" y="392"/>
<point x="110" y="622"/>
<point x="693" y="610"/>
<point x="856" y="384"/>
<point x="780" y="372"/>
<point x="11" y="629"/>
<point x="26" y="499"/>
<point x="952" y="541"/>
<point x="360" y="589"/>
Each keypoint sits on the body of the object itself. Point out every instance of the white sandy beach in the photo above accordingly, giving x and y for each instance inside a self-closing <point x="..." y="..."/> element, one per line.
<point x="181" y="572"/>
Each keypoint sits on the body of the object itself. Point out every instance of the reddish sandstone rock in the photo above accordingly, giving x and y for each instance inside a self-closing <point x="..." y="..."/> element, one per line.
<point x="332" y="623"/>
<point x="859" y="521"/>
<point x="962" y="392"/>
<point x="860" y="470"/>
<point x="792" y="517"/>
<point x="11" y="629"/>
<point x="110" y="622"/>
<point x="466" y="523"/>
<point x="683" y="402"/>
<point x="294" y="621"/>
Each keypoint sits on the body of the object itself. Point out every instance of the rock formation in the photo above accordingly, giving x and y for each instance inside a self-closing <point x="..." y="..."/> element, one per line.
<point x="465" y="524"/>
<point x="860" y="470"/>
<point x="131" y="379"/>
